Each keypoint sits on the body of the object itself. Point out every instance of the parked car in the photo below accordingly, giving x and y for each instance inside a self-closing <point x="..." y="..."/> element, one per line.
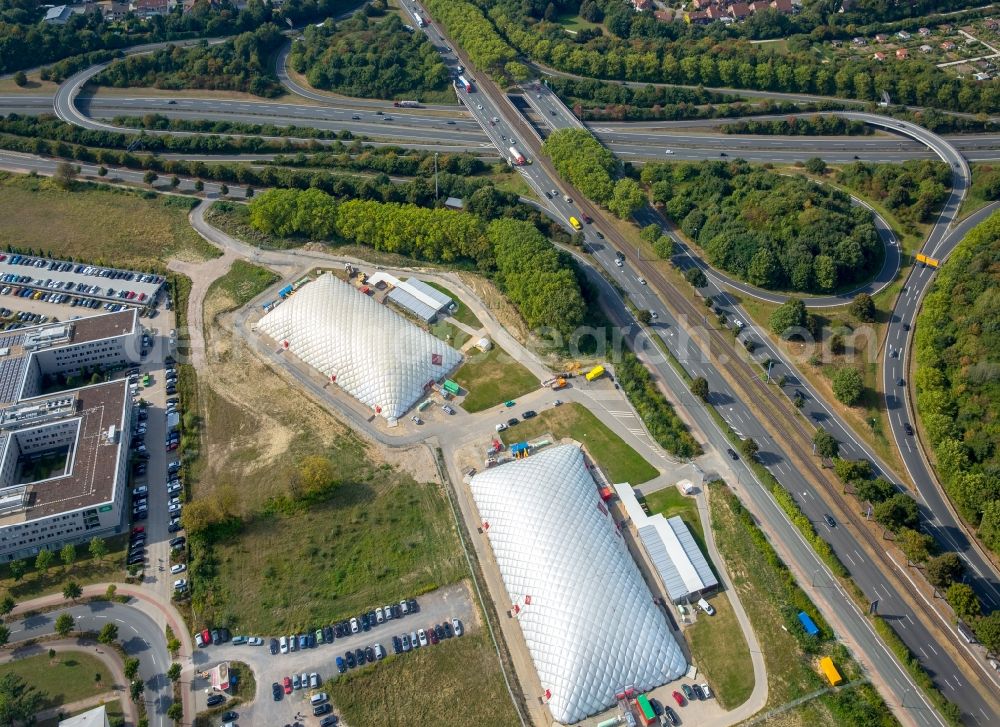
<point x="273" y="645"/>
<point x="322" y="709"/>
<point x="530" y="414"/>
<point x="688" y="691"/>
<point x="341" y="665"/>
<point x="457" y="625"/>
<point x="215" y="699"/>
<point x="698" y="691"/>
<point x="405" y="642"/>
<point x="679" y="698"/>
<point x="349" y="658"/>
<point x="296" y="684"/>
<point x="313" y="680"/>
<point x="276" y="691"/>
<point x="671" y="716"/>
<point x="287" y="682"/>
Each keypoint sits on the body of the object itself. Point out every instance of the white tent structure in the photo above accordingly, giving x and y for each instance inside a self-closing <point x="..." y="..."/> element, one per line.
<point x="587" y="615"/>
<point x="374" y="354"/>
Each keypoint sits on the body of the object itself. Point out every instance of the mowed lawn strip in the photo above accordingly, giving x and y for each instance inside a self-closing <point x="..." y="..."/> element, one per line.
<point x="457" y="680"/>
<point x="492" y="378"/>
<point x="117" y="227"/>
<point x="67" y="678"/>
<point x="720" y="651"/>
<point x="463" y="314"/>
<point x="619" y="461"/>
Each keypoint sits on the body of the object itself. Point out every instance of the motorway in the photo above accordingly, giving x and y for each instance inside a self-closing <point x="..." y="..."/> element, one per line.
<point x="511" y="128"/>
<point x="489" y="103"/>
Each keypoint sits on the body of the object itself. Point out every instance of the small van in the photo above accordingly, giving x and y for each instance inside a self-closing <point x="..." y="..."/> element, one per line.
<point x="706" y="607"/>
<point x="318" y="698"/>
<point x="575" y="224"/>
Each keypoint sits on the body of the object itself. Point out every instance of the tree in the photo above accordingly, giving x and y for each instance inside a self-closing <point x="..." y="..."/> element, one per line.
<point x="43" y="561"/>
<point x="136" y="689"/>
<point x="64" y="175"/>
<point x="199" y="186"/>
<point x="964" y="600"/>
<point x="898" y="512"/>
<point x="815" y="165"/>
<point x="826" y="444"/>
<point x="249" y="193"/>
<point x="111" y="591"/>
<point x="7" y="604"/>
<point x="72" y="591"/>
<point x="863" y="308"/>
<point x="848" y="385"/>
<point x="149" y="177"/>
<point x="174" y="672"/>
<point x="223" y="190"/>
<point x="788" y="316"/>
<point x="20" y="79"/>
<point x="4" y="638"/>
<point x="988" y="632"/>
<point x="315" y="475"/>
<point x="626" y="198"/>
<point x="916" y="546"/>
<point x="876" y="490"/>
<point x="644" y="316"/>
<point x="699" y="387"/>
<point x="19" y="701"/>
<point x="97" y="549"/>
<point x="68" y="555"/>
<point x="102" y="171"/>
<point x="64" y="624"/>
<point x="17" y="569"/>
<point x="109" y="632"/>
<point x="175" y="182"/>
<point x="131" y="667"/>
<point x="749" y="448"/>
<point x="176" y="711"/>
<point x="650" y="233"/>
<point x="696" y="276"/>
<point x="944" y="569"/>
<point x="52" y="654"/>
<point x="849" y="470"/>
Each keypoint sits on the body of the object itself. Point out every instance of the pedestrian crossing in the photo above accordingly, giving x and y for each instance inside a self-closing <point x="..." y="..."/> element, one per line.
<point x="636" y="430"/>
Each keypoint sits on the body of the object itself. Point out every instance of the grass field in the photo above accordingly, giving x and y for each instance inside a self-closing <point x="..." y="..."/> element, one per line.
<point x="789" y="673"/>
<point x="67" y="678"/>
<point x="462" y="314"/>
<point x="492" y="378"/>
<point x="976" y="197"/>
<point x="619" y="461"/>
<point x="670" y="501"/>
<point x="85" y="570"/>
<point x="110" y="226"/>
<point x="458" y="677"/>
<point x="720" y="651"/>
<point x="244" y="282"/>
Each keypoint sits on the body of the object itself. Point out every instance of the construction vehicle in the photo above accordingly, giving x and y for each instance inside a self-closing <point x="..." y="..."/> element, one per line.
<point x="559" y="383"/>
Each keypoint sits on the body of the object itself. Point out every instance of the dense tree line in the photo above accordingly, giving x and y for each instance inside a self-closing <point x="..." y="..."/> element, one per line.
<point x="587" y="165"/>
<point x="209" y="126"/>
<point x="477" y="36"/>
<point x="913" y="190"/>
<point x="658" y="415"/>
<point x="243" y="63"/>
<point x="535" y="277"/>
<point x="366" y="58"/>
<point x="772" y="230"/>
<point x="525" y="265"/>
<point x="644" y="49"/>
<point x="821" y="125"/>
<point x="27" y="41"/>
<point x="957" y="351"/>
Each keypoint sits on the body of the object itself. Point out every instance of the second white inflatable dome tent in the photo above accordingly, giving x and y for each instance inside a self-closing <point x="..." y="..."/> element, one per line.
<point x="587" y="615"/>
<point x="373" y="353"/>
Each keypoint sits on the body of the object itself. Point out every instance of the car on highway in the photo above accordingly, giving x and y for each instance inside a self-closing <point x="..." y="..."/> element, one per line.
<point x="642" y="281"/>
<point x="356" y="117"/>
<point x="828" y="519"/>
<point x="668" y="151"/>
<point x="908" y="429"/>
<point x="732" y="453"/>
<point x="900" y="382"/>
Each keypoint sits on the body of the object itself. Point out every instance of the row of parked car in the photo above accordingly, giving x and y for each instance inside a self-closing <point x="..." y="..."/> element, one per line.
<point x="400" y="644"/>
<point x="692" y="692"/>
<point x="327" y="634"/>
<point x="54" y="297"/>
<point x="80" y="268"/>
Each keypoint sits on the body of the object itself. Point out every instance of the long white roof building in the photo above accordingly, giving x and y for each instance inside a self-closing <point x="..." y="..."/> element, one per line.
<point x="587" y="615"/>
<point x="374" y="354"/>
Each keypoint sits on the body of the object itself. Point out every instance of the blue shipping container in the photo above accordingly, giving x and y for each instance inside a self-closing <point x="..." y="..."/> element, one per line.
<point x="807" y="624"/>
<point x="285" y="291"/>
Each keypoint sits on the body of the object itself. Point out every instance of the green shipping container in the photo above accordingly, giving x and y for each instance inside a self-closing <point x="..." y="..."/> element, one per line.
<point x="645" y="707"/>
<point x="451" y="387"/>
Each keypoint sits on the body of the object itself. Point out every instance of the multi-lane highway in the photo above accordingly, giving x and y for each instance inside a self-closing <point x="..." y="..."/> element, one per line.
<point x="504" y="125"/>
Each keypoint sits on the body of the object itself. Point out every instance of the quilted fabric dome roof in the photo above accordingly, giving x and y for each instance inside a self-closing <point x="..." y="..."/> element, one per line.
<point x="591" y="625"/>
<point x="376" y="355"/>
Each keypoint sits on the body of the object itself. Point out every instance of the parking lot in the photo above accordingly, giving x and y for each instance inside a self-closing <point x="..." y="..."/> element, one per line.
<point x="76" y="284"/>
<point x="436" y="607"/>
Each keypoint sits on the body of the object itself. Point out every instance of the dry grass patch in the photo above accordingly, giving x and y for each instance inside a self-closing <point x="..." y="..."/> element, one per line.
<point x="123" y="228"/>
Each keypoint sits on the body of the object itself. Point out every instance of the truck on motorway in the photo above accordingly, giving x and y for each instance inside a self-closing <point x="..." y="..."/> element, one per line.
<point x="516" y="157"/>
<point x="466" y="84"/>
<point x="575" y="223"/>
<point x="406" y="104"/>
<point x="421" y="22"/>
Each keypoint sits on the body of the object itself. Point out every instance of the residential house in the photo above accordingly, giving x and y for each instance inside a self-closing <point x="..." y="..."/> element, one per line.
<point x="925" y="48"/>
<point x="758" y="5"/>
<point x="664" y="16"/>
<point x="149" y="8"/>
<point x="113" y="10"/>
<point x="739" y="10"/>
<point x="924" y="32"/>
<point x="698" y="17"/>
<point x="58" y="15"/>
<point x="859" y="41"/>
<point x="879" y="57"/>
<point x="881" y="38"/>
<point x="782" y="6"/>
<point x="901" y="54"/>
<point x="640" y="5"/>
<point x="947" y="46"/>
<point x="903" y="35"/>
